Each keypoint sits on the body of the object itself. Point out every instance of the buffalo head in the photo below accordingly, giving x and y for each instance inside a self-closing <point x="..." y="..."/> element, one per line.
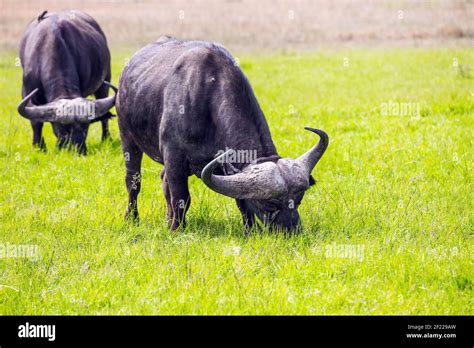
<point x="70" y="117"/>
<point x="270" y="190"/>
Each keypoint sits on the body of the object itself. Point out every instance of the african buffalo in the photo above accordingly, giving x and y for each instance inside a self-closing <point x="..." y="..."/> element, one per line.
<point x="65" y="58"/>
<point x="183" y="102"/>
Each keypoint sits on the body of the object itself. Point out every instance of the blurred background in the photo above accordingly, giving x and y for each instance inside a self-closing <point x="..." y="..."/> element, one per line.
<point x="247" y="25"/>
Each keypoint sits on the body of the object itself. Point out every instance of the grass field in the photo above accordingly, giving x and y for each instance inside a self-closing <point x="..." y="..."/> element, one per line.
<point x="394" y="193"/>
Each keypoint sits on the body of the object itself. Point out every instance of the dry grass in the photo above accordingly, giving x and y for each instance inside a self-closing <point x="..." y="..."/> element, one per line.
<point x="246" y="25"/>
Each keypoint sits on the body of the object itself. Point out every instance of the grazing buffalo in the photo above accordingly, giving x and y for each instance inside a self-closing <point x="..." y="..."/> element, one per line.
<point x="65" y="58"/>
<point x="183" y="102"/>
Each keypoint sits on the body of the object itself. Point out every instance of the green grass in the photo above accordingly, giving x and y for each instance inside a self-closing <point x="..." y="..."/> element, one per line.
<point x="400" y="187"/>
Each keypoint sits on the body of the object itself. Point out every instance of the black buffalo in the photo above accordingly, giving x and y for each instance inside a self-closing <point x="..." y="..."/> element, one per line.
<point x="65" y="58"/>
<point x="183" y="102"/>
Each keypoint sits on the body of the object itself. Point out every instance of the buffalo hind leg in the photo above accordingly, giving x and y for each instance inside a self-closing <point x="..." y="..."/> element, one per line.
<point x="38" y="140"/>
<point x="167" y="193"/>
<point x="133" y="162"/>
<point x="177" y="181"/>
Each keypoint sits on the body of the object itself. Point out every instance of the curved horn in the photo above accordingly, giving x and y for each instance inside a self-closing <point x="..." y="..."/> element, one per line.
<point x="103" y="105"/>
<point x="49" y="112"/>
<point x="310" y="158"/>
<point x="259" y="181"/>
<point x="115" y="89"/>
<point x="41" y="113"/>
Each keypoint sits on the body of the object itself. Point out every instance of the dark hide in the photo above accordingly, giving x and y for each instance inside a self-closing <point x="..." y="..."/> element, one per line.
<point x="65" y="56"/>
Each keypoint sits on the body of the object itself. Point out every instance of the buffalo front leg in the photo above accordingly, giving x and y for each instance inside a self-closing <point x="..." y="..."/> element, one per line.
<point x="105" y="128"/>
<point x="103" y="92"/>
<point x="133" y="162"/>
<point x="176" y="178"/>
<point x="38" y="140"/>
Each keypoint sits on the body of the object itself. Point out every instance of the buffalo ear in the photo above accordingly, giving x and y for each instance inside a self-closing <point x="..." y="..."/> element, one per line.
<point x="312" y="181"/>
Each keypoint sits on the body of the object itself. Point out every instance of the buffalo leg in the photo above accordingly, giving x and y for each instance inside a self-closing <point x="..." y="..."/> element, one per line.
<point x="248" y="217"/>
<point x="105" y="128"/>
<point x="177" y="182"/>
<point x="103" y="92"/>
<point x="38" y="140"/>
<point x="133" y="162"/>
<point x="167" y="193"/>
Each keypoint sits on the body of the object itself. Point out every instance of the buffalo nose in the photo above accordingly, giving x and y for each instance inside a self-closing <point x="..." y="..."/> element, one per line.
<point x="289" y="221"/>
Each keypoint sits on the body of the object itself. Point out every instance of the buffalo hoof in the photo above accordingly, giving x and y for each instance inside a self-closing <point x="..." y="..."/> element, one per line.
<point x="41" y="146"/>
<point x="132" y="216"/>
